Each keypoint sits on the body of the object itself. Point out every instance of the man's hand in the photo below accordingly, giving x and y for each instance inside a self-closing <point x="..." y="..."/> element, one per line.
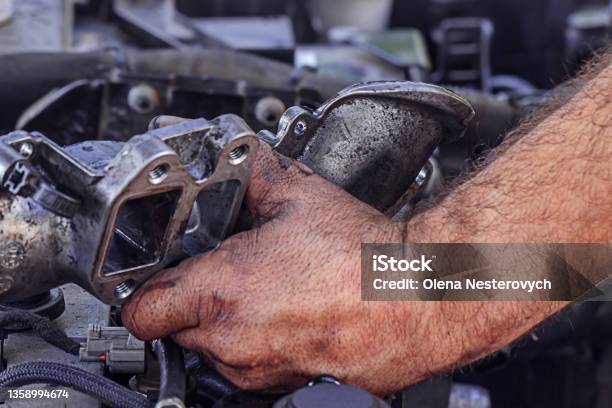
<point x="280" y="304"/>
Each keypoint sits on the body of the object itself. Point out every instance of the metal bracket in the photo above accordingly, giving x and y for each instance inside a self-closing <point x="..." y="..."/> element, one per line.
<point x="373" y="139"/>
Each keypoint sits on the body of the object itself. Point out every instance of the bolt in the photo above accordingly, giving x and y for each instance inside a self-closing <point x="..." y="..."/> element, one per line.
<point x="143" y="99"/>
<point x="26" y="150"/>
<point x="300" y="128"/>
<point x="269" y="110"/>
<point x="422" y="176"/>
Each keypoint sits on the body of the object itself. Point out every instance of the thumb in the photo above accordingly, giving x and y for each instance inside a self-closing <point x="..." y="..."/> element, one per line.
<point x="179" y="298"/>
<point x="173" y="300"/>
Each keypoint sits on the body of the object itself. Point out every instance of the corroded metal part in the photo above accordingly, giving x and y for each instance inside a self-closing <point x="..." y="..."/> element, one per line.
<point x="142" y="205"/>
<point x="373" y="139"/>
<point x="109" y="214"/>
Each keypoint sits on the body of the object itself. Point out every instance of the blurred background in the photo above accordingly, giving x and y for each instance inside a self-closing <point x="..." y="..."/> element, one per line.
<point x="504" y="56"/>
<point x="534" y="39"/>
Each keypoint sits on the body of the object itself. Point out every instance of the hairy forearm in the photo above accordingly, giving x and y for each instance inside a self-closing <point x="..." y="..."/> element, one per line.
<point x="551" y="185"/>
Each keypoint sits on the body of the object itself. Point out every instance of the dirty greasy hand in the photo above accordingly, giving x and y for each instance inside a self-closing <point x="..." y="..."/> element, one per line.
<point x="280" y="304"/>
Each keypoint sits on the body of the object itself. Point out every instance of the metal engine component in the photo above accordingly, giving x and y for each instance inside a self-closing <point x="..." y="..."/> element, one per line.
<point x="373" y="139"/>
<point x="107" y="98"/>
<point x="173" y="379"/>
<point x="327" y="394"/>
<point x="107" y="215"/>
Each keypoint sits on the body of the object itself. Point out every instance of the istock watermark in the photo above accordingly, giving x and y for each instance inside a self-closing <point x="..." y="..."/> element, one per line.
<point x="384" y="263"/>
<point x="486" y="272"/>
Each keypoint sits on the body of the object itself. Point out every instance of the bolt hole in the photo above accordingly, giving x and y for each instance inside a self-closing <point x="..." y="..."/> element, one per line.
<point x="143" y="99"/>
<point x="125" y="289"/>
<point x="271" y="118"/>
<point x="269" y="110"/>
<point x="144" y="104"/>
<point x="238" y="155"/>
<point x="159" y="174"/>
<point x="300" y="128"/>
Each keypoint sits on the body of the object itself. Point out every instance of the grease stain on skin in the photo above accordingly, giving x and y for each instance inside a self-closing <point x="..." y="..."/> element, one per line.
<point x="162" y="285"/>
<point x="219" y="309"/>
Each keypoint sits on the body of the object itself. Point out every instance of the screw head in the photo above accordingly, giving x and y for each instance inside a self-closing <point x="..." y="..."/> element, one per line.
<point x="300" y="128"/>
<point x="26" y="150"/>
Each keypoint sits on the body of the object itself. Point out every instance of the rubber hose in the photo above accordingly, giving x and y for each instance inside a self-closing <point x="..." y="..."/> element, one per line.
<point x="43" y="327"/>
<point x="209" y="384"/>
<point x="173" y="378"/>
<point x="214" y="384"/>
<point x="57" y="374"/>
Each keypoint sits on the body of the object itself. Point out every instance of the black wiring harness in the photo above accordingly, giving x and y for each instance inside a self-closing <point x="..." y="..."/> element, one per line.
<point x="65" y="375"/>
